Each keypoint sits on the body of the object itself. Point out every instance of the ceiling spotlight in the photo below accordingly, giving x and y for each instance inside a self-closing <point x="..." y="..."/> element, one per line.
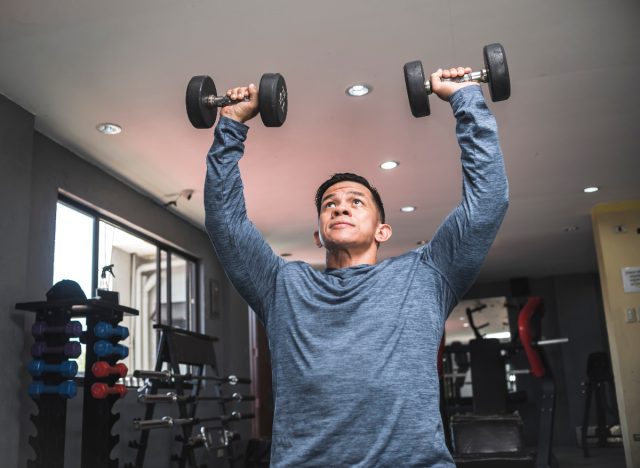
<point x="591" y="189"/>
<point x="571" y="229"/>
<point x="422" y="242"/>
<point x="388" y="165"/>
<point x="359" y="89"/>
<point x="109" y="128"/>
<point x="408" y="209"/>
<point x="286" y="254"/>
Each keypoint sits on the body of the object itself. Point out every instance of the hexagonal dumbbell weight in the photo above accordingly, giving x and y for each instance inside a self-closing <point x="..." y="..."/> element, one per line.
<point x="40" y="329"/>
<point x="71" y="349"/>
<point x="202" y="101"/>
<point x="102" y="369"/>
<point x="106" y="330"/>
<point x="65" y="389"/>
<point x="38" y="367"/>
<point x="104" y="348"/>
<point x="100" y="391"/>
<point x="495" y="73"/>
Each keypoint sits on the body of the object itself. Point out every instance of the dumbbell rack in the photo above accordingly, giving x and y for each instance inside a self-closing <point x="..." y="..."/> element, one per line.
<point x="97" y="416"/>
<point x="181" y="347"/>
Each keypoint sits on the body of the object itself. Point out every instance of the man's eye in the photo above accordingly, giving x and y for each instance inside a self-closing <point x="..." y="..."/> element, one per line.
<point x="330" y="204"/>
<point x="357" y="202"/>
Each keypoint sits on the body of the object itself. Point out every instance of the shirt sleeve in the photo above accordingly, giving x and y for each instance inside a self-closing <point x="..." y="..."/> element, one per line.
<point x="462" y="241"/>
<point x="247" y="259"/>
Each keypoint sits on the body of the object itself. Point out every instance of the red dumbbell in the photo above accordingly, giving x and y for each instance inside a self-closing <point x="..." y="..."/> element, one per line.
<point x="100" y="391"/>
<point x="103" y="369"/>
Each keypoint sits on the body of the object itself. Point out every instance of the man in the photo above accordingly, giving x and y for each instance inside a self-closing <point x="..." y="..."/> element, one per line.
<point x="354" y="348"/>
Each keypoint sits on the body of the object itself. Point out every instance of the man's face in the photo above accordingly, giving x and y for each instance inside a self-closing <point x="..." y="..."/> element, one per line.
<point x="349" y="218"/>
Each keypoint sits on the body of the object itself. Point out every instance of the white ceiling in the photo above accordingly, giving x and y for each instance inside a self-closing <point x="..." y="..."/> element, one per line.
<point x="572" y="120"/>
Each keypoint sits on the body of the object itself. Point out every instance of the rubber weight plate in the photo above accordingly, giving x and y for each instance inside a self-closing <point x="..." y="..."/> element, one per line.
<point x="273" y="99"/>
<point x="495" y="61"/>
<point x="416" y="91"/>
<point x="200" y="115"/>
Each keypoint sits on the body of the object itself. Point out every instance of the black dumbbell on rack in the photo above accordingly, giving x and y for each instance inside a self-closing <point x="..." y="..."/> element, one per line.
<point x="202" y="101"/>
<point x="495" y="73"/>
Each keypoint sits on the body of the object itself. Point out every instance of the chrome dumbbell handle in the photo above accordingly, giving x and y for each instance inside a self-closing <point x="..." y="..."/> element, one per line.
<point x="481" y="76"/>
<point x="169" y="397"/>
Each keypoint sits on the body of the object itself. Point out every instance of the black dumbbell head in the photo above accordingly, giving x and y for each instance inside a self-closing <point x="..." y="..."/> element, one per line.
<point x="416" y="91"/>
<point x="495" y="61"/>
<point x="273" y="99"/>
<point x="200" y="115"/>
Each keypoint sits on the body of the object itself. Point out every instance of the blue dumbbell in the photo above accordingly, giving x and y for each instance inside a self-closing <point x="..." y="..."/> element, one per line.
<point x="104" y="348"/>
<point x="38" y="367"/>
<point x="65" y="389"/>
<point x="105" y="330"/>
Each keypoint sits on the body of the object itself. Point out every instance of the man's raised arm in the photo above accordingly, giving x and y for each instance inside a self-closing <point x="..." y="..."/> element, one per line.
<point x="462" y="242"/>
<point x="247" y="259"/>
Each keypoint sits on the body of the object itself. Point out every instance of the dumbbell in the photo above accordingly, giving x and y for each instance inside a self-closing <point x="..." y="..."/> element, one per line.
<point x="70" y="349"/>
<point x="495" y="73"/>
<point x="102" y="369"/>
<point x="73" y="328"/>
<point x="202" y="101"/>
<point x="38" y="367"/>
<point x="66" y="389"/>
<point x="104" y="348"/>
<point x="106" y="330"/>
<point x="100" y="391"/>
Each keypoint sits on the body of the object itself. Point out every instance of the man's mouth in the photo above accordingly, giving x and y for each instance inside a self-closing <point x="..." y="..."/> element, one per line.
<point x="340" y="224"/>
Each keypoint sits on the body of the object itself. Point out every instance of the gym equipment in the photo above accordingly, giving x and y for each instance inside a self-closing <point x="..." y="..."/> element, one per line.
<point x="71" y="329"/>
<point x="70" y="349"/>
<point x="104" y="348"/>
<point x="168" y="422"/>
<point x="205" y="438"/>
<point x="102" y="369"/>
<point x="202" y="102"/>
<point x="67" y="369"/>
<point x="101" y="391"/>
<point x="167" y="376"/>
<point x="495" y="73"/>
<point x="105" y="330"/>
<point x="172" y="397"/>
<point x="65" y="389"/>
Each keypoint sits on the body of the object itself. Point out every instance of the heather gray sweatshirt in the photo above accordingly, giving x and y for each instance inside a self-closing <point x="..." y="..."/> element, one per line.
<point x="353" y="350"/>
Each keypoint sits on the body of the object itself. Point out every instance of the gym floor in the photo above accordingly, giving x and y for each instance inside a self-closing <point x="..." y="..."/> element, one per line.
<point x="609" y="457"/>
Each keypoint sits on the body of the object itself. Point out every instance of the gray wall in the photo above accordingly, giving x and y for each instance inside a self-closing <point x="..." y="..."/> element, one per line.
<point x="32" y="170"/>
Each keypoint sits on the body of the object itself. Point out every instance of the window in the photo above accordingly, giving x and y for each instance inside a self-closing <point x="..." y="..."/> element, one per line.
<point x="150" y="276"/>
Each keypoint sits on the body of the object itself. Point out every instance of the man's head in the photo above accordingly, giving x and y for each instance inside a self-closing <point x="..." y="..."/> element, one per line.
<point x="350" y="214"/>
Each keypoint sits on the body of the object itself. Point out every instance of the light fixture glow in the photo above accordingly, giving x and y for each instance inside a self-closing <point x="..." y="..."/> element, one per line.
<point x="408" y="209"/>
<point x="360" y="89"/>
<point x="388" y="165"/>
<point x="499" y="335"/>
<point x="591" y="189"/>
<point x="109" y="128"/>
<point x="422" y="242"/>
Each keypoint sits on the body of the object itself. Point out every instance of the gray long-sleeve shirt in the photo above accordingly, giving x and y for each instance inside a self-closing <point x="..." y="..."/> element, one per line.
<point x="353" y="350"/>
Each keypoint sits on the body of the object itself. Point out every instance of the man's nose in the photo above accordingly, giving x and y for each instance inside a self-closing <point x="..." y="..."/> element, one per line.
<point x="341" y="210"/>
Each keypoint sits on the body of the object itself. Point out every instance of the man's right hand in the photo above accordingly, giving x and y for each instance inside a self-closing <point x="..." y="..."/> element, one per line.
<point x="243" y="110"/>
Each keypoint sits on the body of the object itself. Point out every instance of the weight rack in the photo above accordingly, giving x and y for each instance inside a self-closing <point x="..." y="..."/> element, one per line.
<point x="97" y="416"/>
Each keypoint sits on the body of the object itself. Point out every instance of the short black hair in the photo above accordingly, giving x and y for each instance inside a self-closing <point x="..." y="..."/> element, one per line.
<point x="349" y="177"/>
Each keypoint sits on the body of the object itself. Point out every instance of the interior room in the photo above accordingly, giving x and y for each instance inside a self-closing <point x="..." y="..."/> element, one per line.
<point x="147" y="276"/>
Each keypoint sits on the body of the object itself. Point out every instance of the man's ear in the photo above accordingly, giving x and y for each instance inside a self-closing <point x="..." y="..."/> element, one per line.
<point x="383" y="233"/>
<point x="316" y="237"/>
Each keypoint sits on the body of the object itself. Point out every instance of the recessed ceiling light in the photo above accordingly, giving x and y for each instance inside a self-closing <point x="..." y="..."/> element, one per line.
<point x="360" y="89"/>
<point x="465" y="325"/>
<point x="591" y="189"/>
<point x="109" y="128"/>
<point x="571" y="228"/>
<point x="388" y="165"/>
<point x="422" y="242"/>
<point x="408" y="209"/>
<point x="286" y="254"/>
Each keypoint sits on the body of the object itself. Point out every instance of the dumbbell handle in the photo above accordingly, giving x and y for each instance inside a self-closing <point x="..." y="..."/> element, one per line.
<point x="165" y="422"/>
<point x="166" y="376"/>
<point x="172" y="397"/>
<point x="481" y="76"/>
<point x="103" y="369"/>
<point x="220" y="101"/>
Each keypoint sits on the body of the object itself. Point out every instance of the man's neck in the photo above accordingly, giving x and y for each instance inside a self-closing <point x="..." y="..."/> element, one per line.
<point x="347" y="258"/>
